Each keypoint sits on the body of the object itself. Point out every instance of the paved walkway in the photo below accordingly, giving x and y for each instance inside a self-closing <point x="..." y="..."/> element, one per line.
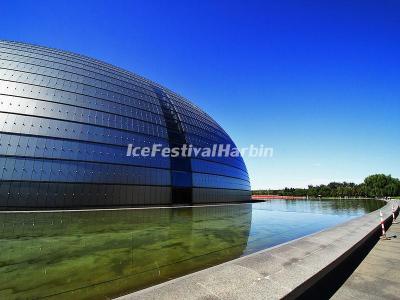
<point x="378" y="276"/>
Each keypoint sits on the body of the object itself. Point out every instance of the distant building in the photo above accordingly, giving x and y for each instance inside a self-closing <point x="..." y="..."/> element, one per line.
<point x="66" y="121"/>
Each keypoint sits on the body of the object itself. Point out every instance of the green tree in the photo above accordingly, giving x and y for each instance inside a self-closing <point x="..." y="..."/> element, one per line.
<point x="378" y="185"/>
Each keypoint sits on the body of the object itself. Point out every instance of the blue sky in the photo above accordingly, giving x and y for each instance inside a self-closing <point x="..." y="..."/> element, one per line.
<point x="319" y="82"/>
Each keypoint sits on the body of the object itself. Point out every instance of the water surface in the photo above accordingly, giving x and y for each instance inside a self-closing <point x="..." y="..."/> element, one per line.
<point x="103" y="254"/>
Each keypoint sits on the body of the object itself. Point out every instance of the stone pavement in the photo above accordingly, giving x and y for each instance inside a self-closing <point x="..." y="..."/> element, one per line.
<point x="378" y="276"/>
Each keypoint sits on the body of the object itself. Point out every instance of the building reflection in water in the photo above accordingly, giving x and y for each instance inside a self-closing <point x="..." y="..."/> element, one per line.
<point x="102" y="254"/>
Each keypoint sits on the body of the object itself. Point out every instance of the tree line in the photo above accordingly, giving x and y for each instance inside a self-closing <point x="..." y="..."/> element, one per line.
<point x="378" y="185"/>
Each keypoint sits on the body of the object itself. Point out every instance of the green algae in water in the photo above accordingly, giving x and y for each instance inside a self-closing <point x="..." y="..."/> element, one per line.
<point x="103" y="254"/>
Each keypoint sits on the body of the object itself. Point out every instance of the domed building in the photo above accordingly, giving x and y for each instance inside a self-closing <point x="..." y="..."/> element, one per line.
<point x="70" y="127"/>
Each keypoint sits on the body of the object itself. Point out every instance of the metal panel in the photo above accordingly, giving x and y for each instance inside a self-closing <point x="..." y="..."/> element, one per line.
<point x="66" y="121"/>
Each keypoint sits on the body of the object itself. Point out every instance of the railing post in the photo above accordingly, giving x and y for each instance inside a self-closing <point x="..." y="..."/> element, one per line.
<point x="383" y="236"/>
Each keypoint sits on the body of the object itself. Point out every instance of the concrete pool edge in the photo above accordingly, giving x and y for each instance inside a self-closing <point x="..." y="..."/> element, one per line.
<point x="94" y="209"/>
<point x="283" y="271"/>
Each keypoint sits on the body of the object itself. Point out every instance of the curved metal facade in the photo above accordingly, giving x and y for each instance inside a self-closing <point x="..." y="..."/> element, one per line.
<point x="66" y="121"/>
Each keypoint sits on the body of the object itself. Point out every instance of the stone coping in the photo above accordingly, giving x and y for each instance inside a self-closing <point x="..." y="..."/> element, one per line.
<point x="283" y="271"/>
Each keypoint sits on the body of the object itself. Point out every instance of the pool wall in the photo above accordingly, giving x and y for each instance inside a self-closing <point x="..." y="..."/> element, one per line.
<point x="291" y="270"/>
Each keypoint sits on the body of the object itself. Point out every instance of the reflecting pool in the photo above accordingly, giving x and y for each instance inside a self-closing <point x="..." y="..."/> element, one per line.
<point x="103" y="254"/>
